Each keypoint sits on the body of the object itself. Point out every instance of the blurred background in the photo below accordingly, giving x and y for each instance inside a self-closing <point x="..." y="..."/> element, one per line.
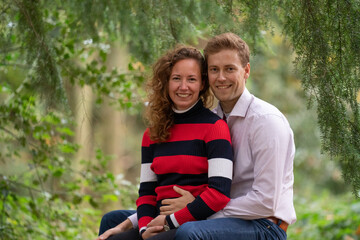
<point x="72" y="94"/>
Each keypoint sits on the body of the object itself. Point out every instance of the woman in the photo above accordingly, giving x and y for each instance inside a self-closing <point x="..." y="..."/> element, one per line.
<point x="185" y="145"/>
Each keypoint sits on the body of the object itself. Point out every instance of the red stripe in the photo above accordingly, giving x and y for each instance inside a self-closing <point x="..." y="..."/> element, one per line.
<point x="146" y="139"/>
<point x="180" y="164"/>
<point x="148" y="199"/>
<point x="214" y="199"/>
<point x="168" y="191"/>
<point x="220" y="130"/>
<point x="144" y="221"/>
<point x="182" y="216"/>
<point x="185" y="132"/>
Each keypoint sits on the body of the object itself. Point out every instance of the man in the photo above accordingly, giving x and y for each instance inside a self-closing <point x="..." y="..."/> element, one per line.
<point x="261" y="205"/>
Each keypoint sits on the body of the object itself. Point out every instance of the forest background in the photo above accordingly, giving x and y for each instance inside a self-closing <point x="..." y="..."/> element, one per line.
<point x="72" y="93"/>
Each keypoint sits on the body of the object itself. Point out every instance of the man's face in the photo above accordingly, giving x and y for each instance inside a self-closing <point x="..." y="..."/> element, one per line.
<point x="227" y="77"/>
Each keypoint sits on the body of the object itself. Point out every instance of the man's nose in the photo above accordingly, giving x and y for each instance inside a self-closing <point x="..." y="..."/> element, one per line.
<point x="221" y="76"/>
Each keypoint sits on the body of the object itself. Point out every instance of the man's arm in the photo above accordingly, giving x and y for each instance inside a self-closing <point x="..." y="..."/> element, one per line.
<point x="272" y="148"/>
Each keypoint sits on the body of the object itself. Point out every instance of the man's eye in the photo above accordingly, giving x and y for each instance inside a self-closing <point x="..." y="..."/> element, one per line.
<point x="213" y="69"/>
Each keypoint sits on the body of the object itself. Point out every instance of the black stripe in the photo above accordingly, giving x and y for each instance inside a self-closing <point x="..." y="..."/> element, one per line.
<point x="197" y="114"/>
<point x="199" y="210"/>
<point x="221" y="184"/>
<point x="147" y="210"/>
<point x="146" y="154"/>
<point x="182" y="179"/>
<point x="192" y="148"/>
<point x="147" y="188"/>
<point x="168" y="220"/>
<point x="219" y="148"/>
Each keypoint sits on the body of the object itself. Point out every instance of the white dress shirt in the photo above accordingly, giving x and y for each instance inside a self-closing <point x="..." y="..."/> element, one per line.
<point x="264" y="149"/>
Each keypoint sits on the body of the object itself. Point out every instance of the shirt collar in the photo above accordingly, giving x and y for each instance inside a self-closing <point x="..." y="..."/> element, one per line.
<point x="240" y="107"/>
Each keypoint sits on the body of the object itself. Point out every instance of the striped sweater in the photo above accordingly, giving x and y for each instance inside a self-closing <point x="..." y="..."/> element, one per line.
<point x="197" y="158"/>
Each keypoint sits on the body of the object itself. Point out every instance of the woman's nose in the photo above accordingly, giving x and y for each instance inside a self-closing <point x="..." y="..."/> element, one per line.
<point x="183" y="85"/>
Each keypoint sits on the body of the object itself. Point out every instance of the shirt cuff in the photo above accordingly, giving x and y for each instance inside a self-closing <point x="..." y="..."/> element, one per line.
<point x="219" y="214"/>
<point x="133" y="219"/>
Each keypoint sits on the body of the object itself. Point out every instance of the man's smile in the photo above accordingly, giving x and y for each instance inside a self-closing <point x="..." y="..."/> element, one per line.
<point x="224" y="86"/>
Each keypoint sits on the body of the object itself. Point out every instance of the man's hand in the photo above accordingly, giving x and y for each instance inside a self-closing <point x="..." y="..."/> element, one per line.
<point x="172" y="205"/>
<point x="152" y="231"/>
<point x="122" y="227"/>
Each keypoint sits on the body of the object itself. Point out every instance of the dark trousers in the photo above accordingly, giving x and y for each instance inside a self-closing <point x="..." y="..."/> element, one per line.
<point x="114" y="218"/>
<point x="133" y="234"/>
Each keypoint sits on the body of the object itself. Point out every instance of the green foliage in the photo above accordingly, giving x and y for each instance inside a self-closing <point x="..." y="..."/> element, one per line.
<point x="326" y="38"/>
<point x="326" y="217"/>
<point x="49" y="198"/>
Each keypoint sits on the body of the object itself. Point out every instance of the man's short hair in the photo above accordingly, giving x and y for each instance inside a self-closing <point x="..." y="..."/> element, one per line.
<point x="228" y="41"/>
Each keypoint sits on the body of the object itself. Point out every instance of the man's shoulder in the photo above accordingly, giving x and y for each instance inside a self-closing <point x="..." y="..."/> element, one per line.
<point x="266" y="121"/>
<point x="260" y="108"/>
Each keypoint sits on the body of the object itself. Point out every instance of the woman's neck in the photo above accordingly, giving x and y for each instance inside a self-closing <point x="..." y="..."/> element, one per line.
<point x="183" y="111"/>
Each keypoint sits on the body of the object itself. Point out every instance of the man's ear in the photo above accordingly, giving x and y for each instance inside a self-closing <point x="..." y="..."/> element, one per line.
<point x="247" y="71"/>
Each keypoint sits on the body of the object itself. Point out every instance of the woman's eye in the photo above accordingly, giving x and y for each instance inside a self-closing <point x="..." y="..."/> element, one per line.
<point x="175" y="78"/>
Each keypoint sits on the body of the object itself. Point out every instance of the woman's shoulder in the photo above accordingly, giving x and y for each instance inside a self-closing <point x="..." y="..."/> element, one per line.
<point x="208" y="116"/>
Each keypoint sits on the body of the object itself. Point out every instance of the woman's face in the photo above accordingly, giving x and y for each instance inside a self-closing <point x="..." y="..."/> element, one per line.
<point x="185" y="83"/>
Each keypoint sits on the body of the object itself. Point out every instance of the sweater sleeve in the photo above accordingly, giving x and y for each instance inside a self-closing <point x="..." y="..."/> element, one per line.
<point x="146" y="203"/>
<point x="220" y="171"/>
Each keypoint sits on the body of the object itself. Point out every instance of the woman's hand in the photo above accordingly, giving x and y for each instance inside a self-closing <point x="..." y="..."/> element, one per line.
<point x="158" y="221"/>
<point x="152" y="231"/>
<point x="154" y="227"/>
<point x="173" y="205"/>
<point x="122" y="227"/>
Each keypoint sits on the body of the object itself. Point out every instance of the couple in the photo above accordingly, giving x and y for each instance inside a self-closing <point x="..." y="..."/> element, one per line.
<point x="261" y="191"/>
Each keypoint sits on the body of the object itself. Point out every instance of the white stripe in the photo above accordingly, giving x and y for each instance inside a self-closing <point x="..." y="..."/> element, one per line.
<point x="173" y="219"/>
<point x="142" y="229"/>
<point x="146" y="174"/>
<point x="220" y="167"/>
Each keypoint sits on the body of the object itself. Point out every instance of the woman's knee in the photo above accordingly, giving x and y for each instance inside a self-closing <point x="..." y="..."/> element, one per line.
<point x="112" y="219"/>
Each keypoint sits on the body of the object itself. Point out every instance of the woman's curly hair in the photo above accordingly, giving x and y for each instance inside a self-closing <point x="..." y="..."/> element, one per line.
<point x="159" y="113"/>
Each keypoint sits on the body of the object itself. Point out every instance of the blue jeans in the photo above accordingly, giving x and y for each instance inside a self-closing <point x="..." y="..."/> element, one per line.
<point x="114" y="218"/>
<point x="230" y="228"/>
